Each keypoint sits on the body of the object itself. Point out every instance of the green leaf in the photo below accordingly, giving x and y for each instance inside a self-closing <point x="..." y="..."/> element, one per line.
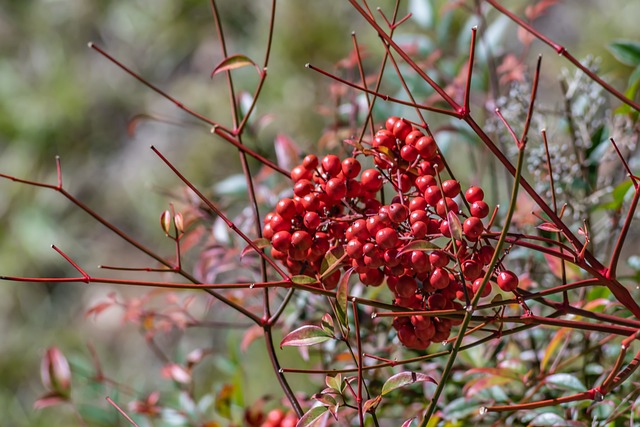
<point x="334" y="382"/>
<point x="261" y="243"/>
<point x="327" y="323"/>
<point x="548" y="419"/>
<point x="404" y="378"/>
<point x="565" y="382"/>
<point x="232" y="62"/>
<point x="419" y="245"/>
<point x="626" y="51"/>
<point x="618" y="195"/>
<point x="341" y="297"/>
<point x="306" y="335"/>
<point x="301" y="279"/>
<point x="332" y="261"/>
<point x="312" y="416"/>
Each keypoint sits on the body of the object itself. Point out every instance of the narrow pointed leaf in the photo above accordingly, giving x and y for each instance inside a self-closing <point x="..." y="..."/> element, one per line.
<point x="341" y="297"/>
<point x="232" y="62"/>
<point x="303" y="280"/>
<point x="565" y="382"/>
<point x="419" y="245"/>
<point x="454" y="225"/>
<point x="306" y="335"/>
<point x="261" y="243"/>
<point x="332" y="261"/>
<point x="408" y="422"/>
<point x="327" y="323"/>
<point x="549" y="226"/>
<point x="404" y="378"/>
<point x="312" y="417"/>
<point x="371" y="404"/>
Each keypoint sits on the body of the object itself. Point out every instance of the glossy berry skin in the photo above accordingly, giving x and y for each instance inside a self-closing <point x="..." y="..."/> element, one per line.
<point x="351" y="167"/>
<point x="439" y="278"/>
<point x="387" y="238"/>
<point x="507" y="281"/>
<point x="479" y="209"/>
<point x="472" y="228"/>
<point x="371" y="180"/>
<point x="401" y="129"/>
<point x="281" y="241"/>
<point x="391" y="121"/>
<point x="474" y="194"/>
<point x="310" y="162"/>
<point x="331" y="164"/>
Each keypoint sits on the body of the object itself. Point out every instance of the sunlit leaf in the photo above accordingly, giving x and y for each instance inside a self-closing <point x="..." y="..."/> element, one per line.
<point x="565" y="382"/>
<point x="626" y="51"/>
<point x="454" y="225"/>
<point x="334" y="382"/>
<point x="551" y="348"/>
<point x="232" y="62"/>
<point x="371" y="404"/>
<point x="548" y="419"/>
<point x="404" y="378"/>
<point x="312" y="417"/>
<point x="327" y="323"/>
<point x="303" y="280"/>
<point x="306" y="335"/>
<point x="332" y="261"/>
<point x="419" y="245"/>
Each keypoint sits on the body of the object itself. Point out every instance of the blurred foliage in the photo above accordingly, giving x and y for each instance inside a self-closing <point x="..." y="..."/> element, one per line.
<point x="57" y="97"/>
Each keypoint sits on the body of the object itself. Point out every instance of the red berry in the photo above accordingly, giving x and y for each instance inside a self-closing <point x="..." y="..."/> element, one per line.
<point x="418" y="215"/>
<point x="372" y="277"/>
<point x="476" y="287"/>
<point x="331" y="164"/>
<point x="391" y="121"/>
<point x="398" y="212"/>
<point x="507" y="281"/>
<point x="437" y="302"/>
<point x="303" y="187"/>
<point x="286" y="208"/>
<point x="413" y="137"/>
<point x="451" y="188"/>
<point x="419" y="229"/>
<point x="376" y="223"/>
<point x="409" y="153"/>
<point x="336" y="188"/>
<point x="432" y="195"/>
<point x="401" y="129"/>
<point x="479" y="209"/>
<point x="439" y="278"/>
<point x="472" y="228"/>
<point x="311" y="220"/>
<point x="278" y="223"/>
<point x="301" y="240"/>
<point x="406" y="286"/>
<point x="446" y="205"/>
<point x="438" y="259"/>
<point x="426" y="147"/>
<point x="474" y="194"/>
<point x="425" y="181"/>
<point x="281" y="241"/>
<point x="384" y="138"/>
<point x="331" y="281"/>
<point x="310" y="162"/>
<point x="417" y="204"/>
<point x="420" y="261"/>
<point x="300" y="172"/>
<point x="485" y="253"/>
<point x="371" y="180"/>
<point x="471" y="270"/>
<point x="351" y="167"/>
<point x="387" y="238"/>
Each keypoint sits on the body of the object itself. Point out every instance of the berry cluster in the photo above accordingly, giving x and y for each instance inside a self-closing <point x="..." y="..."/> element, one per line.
<point x="432" y="255"/>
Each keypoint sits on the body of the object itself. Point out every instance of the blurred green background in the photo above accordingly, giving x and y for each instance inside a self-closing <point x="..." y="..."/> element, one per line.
<point x="58" y="97"/>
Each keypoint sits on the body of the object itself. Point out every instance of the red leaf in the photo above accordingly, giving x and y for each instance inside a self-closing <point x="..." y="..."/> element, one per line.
<point x="50" y="399"/>
<point x="548" y="226"/>
<point x="251" y="334"/>
<point x="306" y="335"/>
<point x="55" y="372"/>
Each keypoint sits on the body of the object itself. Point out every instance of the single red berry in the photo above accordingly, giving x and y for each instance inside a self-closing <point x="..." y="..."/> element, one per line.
<point x="432" y="195"/>
<point x="391" y="258"/>
<point x="300" y="172"/>
<point x="310" y="202"/>
<point x="507" y="281"/>
<point x="398" y="212"/>
<point x="476" y="287"/>
<point x="420" y="261"/>
<point x="409" y="153"/>
<point x="351" y="167"/>
<point x="310" y="162"/>
<point x="471" y="270"/>
<point x="311" y="220"/>
<point x="446" y="205"/>
<point x="439" y="278"/>
<point x="372" y="277"/>
<point x="376" y="223"/>
<point x="286" y="208"/>
<point x="418" y="215"/>
<point x="417" y="204"/>
<point x="303" y="187"/>
<point x="425" y="181"/>
<point x="331" y="281"/>
<point x="426" y="147"/>
<point x="472" y="228"/>
<point x="301" y="240"/>
<point x="384" y="138"/>
<point x="419" y="229"/>
<point x="438" y="259"/>
<point x="331" y="164"/>
<point x="451" y="188"/>
<point x="485" y="253"/>
<point x="474" y="194"/>
<point x="406" y="286"/>
<point x="387" y="238"/>
<point x="401" y="129"/>
<point x="371" y="180"/>
<point x="479" y="209"/>
<point x="281" y="241"/>
<point x="391" y="121"/>
<point x="354" y="188"/>
<point x="413" y="137"/>
<point x="436" y="302"/>
<point x="405" y="183"/>
<point x="445" y="230"/>
<point x="278" y="223"/>
<point x="336" y="188"/>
